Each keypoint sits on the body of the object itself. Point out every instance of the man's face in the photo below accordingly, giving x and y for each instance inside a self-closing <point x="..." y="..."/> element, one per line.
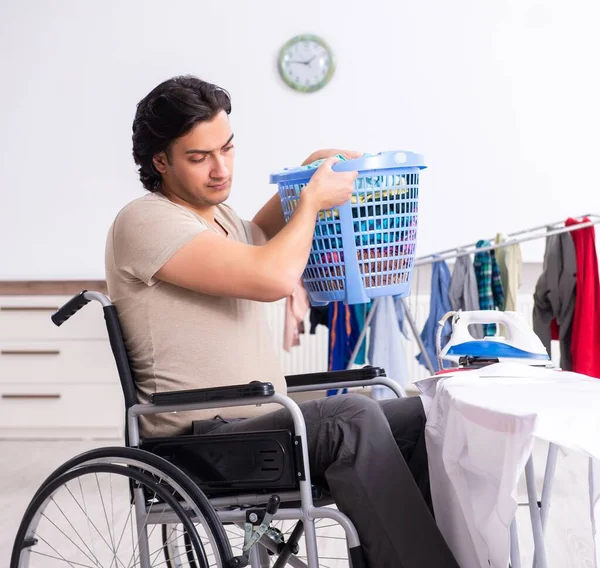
<point x="199" y="165"/>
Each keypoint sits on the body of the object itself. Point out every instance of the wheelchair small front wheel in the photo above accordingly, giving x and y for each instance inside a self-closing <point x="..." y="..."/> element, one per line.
<point x="101" y="515"/>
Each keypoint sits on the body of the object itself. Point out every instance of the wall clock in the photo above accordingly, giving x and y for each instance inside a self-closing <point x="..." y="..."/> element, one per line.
<point x="306" y="63"/>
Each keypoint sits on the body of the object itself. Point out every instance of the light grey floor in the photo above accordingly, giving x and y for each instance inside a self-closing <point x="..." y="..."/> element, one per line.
<point x="24" y="465"/>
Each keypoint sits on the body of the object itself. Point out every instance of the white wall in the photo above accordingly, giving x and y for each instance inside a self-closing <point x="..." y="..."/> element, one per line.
<point x="501" y="97"/>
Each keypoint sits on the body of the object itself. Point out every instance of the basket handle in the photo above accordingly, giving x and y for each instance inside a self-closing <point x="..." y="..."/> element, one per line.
<point x="381" y="161"/>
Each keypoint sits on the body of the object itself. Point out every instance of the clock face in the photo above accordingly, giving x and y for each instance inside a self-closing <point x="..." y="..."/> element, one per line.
<point x="306" y="63"/>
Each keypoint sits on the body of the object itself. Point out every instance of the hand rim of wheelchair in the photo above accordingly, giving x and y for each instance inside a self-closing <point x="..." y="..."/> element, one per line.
<point x="136" y="458"/>
<point x="42" y="498"/>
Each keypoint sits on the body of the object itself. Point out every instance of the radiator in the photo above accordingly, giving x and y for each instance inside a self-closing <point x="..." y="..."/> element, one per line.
<point x="311" y="355"/>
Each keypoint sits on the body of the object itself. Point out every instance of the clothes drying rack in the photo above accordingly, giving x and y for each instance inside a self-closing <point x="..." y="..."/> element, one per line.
<point x="538" y="510"/>
<point x="534" y="233"/>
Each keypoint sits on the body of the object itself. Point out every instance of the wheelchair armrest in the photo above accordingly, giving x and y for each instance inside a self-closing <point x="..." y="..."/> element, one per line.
<point x="216" y="394"/>
<point x="331" y="377"/>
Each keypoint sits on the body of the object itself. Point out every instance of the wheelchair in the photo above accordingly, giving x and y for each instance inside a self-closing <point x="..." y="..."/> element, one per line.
<point x="192" y="501"/>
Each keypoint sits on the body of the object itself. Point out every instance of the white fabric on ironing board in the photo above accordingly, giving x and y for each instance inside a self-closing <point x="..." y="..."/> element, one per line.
<point x="480" y="430"/>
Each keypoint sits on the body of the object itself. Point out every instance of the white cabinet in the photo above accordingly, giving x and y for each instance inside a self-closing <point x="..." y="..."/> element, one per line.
<point x="56" y="382"/>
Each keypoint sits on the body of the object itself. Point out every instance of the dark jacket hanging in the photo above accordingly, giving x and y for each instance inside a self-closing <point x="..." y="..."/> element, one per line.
<point x="554" y="295"/>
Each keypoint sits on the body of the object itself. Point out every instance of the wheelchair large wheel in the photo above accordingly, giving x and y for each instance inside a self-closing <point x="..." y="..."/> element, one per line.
<point x="85" y="518"/>
<point x="86" y="509"/>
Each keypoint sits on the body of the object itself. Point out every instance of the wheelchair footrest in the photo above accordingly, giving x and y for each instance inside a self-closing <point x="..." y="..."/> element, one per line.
<point x="223" y="464"/>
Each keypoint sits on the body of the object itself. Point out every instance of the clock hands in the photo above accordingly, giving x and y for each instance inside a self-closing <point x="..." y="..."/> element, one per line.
<point x="308" y="62"/>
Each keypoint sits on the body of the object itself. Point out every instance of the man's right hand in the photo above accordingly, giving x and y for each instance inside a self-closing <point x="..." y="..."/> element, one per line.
<point x="327" y="188"/>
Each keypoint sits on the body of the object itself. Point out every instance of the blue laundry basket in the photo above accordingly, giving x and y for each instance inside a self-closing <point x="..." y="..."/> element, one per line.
<point x="366" y="247"/>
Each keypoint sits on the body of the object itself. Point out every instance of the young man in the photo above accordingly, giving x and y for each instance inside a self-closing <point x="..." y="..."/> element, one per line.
<point x="189" y="279"/>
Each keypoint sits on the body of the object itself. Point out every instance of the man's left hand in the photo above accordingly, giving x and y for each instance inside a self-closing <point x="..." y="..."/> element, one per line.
<point x="322" y="154"/>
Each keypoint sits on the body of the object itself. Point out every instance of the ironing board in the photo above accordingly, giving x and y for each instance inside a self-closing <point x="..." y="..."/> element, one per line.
<point x="481" y="427"/>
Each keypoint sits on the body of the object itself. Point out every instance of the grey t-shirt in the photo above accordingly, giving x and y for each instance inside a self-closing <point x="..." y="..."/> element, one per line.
<point x="176" y="338"/>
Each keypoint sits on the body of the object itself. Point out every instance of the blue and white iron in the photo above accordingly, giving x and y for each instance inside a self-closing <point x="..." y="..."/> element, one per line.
<point x="519" y="344"/>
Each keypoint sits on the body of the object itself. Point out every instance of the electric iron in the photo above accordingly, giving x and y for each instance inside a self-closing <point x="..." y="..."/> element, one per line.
<point x="518" y="344"/>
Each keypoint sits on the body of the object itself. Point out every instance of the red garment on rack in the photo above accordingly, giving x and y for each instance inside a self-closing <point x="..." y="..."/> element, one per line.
<point x="585" y="342"/>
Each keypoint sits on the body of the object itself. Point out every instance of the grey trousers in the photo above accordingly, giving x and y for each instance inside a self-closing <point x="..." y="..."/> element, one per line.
<point x="372" y="458"/>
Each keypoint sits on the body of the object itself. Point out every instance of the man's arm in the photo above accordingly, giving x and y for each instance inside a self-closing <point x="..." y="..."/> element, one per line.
<point x="212" y="264"/>
<point x="270" y="218"/>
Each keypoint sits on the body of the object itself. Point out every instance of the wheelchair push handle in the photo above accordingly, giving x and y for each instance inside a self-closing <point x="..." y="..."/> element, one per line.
<point x="70" y="308"/>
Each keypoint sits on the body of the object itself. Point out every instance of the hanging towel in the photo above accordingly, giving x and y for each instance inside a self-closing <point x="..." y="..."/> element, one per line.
<point x="554" y="296"/>
<point x="585" y="345"/>
<point x="360" y="313"/>
<point x="345" y="324"/>
<point x="463" y="292"/>
<point x="439" y="305"/>
<point x="319" y="315"/>
<point x="401" y="315"/>
<point x="510" y="262"/>
<point x="343" y="335"/>
<point x="489" y="283"/>
<point x="296" y="308"/>
<point x="385" y="347"/>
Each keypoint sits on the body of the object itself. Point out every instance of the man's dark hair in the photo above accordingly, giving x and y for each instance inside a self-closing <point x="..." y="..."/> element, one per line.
<point x="168" y="112"/>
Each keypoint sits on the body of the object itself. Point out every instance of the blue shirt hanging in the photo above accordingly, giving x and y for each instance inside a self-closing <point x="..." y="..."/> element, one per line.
<point x="439" y="305"/>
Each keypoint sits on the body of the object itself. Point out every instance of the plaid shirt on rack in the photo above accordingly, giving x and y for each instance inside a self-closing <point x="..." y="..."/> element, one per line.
<point x="489" y="283"/>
